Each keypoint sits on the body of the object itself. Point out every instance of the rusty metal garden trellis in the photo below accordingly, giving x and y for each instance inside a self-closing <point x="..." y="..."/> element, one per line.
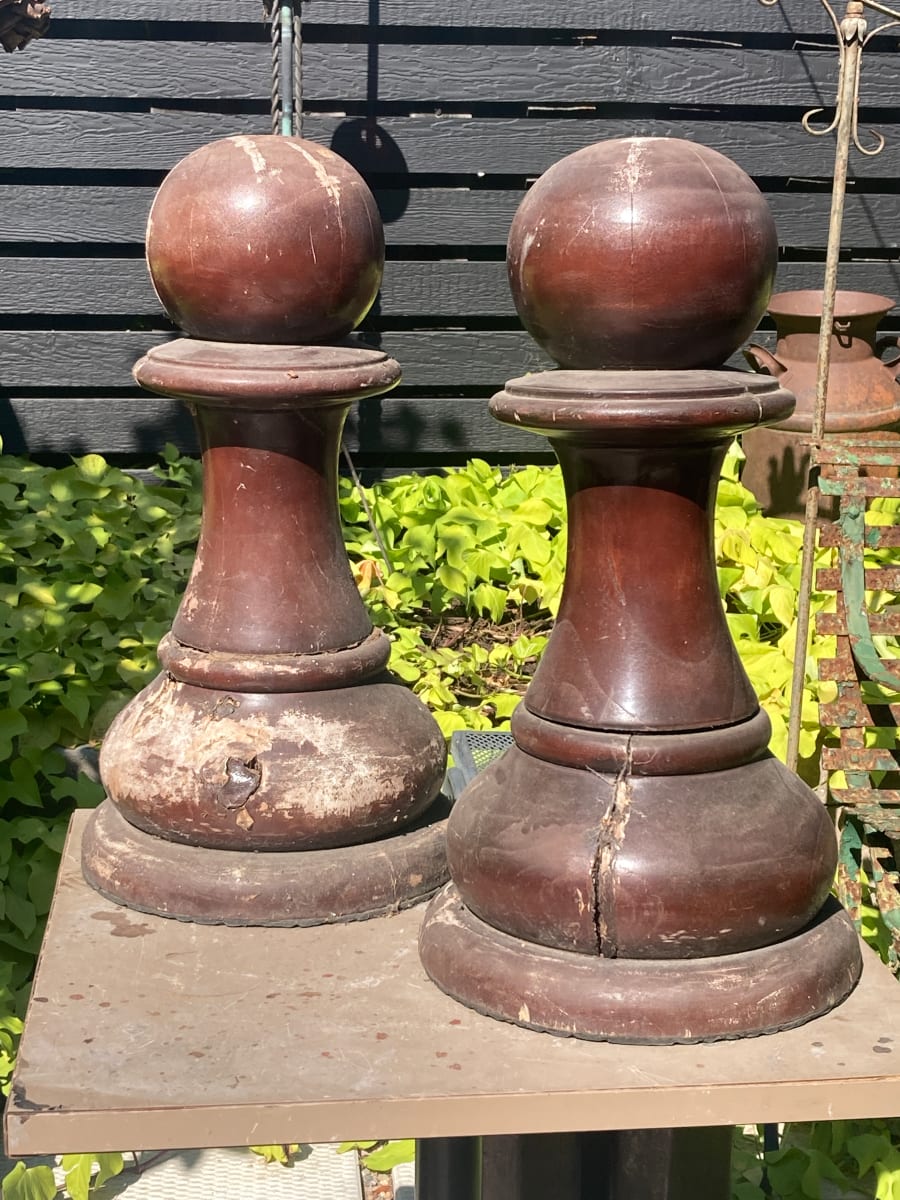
<point x="866" y="671"/>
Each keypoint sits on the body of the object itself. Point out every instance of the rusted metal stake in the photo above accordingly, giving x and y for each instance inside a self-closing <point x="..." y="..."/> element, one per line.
<point x="852" y="29"/>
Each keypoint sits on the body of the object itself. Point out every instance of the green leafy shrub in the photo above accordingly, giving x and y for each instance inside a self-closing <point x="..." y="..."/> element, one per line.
<point x="856" y="1159"/>
<point x="466" y="575"/>
<point x="90" y="564"/>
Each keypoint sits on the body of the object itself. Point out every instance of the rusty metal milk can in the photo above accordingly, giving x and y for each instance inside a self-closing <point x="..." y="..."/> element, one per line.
<point x="863" y="392"/>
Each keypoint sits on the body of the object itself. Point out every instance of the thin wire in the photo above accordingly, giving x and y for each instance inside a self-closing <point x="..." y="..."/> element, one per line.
<point x="370" y="516"/>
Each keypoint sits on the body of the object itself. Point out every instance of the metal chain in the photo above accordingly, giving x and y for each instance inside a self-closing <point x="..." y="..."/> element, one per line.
<point x="298" y="70"/>
<point x="274" y="16"/>
<point x="287" y="65"/>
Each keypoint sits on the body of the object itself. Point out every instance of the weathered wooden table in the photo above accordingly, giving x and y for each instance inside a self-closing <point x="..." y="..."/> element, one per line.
<point x="145" y="1033"/>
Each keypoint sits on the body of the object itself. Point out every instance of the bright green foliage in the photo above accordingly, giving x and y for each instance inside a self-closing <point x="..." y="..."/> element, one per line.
<point x="477" y="548"/>
<point x="81" y="1179"/>
<point x="277" y="1154"/>
<point x="856" y="1159"/>
<point x="758" y="560"/>
<point x="474" y="572"/>
<point x="91" y="567"/>
<point x="382" y="1156"/>
<point x="29" y="1183"/>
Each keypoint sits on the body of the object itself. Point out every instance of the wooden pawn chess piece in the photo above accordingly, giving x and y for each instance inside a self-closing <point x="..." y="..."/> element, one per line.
<point x="274" y="773"/>
<point x="638" y="867"/>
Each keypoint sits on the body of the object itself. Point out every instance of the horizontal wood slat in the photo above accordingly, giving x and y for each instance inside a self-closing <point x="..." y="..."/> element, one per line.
<point x="578" y="73"/>
<point x="60" y="139"/>
<point x="733" y="75"/>
<point x="528" y="146"/>
<point x="446" y="290"/>
<point x="440" y="359"/>
<point x="413" y="216"/>
<point x="165" y="70"/>
<point x="724" y="15"/>
<point x="162" y="10"/>
<point x="67" y="139"/>
<point x="390" y="426"/>
<point x="589" y="73"/>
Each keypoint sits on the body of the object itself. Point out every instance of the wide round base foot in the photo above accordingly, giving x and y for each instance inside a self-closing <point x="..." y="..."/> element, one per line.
<point x="245" y="887"/>
<point x="646" y="1001"/>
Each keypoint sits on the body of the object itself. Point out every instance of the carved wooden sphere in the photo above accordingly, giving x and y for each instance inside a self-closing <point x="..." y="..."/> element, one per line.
<point x="642" y="252"/>
<point x="265" y="239"/>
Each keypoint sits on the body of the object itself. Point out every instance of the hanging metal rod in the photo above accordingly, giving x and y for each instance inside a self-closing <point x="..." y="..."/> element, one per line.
<point x="287" y="65"/>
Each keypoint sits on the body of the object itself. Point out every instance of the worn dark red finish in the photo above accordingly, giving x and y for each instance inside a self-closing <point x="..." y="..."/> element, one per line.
<point x="260" y="238"/>
<point x="639" y="867"/>
<point x="628" y="870"/>
<point x="275" y="772"/>
<point x="636" y="1000"/>
<point x="219" y="887"/>
<point x="640" y="818"/>
<point x="274" y="726"/>
<point x="642" y="252"/>
<point x="270" y="524"/>
<point x="619" y="856"/>
<point x="641" y="651"/>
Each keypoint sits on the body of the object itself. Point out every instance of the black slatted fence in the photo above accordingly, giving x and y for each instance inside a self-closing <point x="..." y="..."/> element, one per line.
<point x="449" y="108"/>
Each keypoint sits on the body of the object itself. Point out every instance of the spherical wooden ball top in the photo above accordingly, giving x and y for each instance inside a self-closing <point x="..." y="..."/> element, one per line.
<point x="653" y="253"/>
<point x="265" y="239"/>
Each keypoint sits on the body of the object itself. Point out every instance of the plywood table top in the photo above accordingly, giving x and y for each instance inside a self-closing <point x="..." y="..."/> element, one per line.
<point x="146" y="1033"/>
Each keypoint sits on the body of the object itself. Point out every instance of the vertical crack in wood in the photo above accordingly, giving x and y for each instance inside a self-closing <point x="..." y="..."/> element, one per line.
<point x="610" y="837"/>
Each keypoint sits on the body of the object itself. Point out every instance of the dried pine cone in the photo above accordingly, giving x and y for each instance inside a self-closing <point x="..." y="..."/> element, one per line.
<point x="21" y="21"/>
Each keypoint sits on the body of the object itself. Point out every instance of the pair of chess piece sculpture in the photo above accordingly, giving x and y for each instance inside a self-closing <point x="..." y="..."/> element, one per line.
<point x="637" y="866"/>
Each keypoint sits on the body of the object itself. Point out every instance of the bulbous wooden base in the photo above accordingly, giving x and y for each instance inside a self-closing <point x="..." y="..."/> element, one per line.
<point x="242" y="781"/>
<point x="638" y="867"/>
<point x="246" y="887"/>
<point x="642" y="866"/>
<point x="642" y="1001"/>
<point x="283" y="771"/>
